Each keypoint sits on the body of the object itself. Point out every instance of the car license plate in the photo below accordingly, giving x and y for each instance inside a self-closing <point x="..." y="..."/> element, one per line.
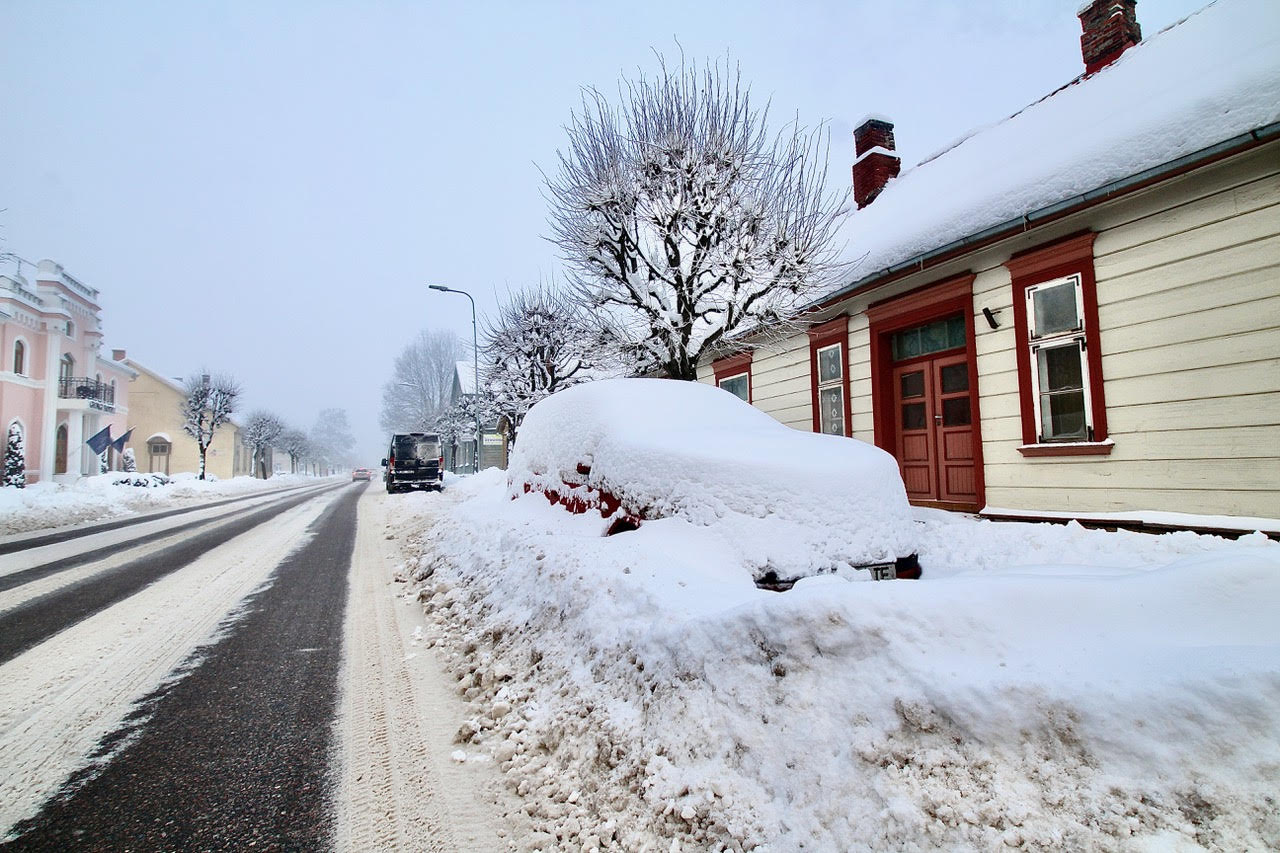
<point x="886" y="572"/>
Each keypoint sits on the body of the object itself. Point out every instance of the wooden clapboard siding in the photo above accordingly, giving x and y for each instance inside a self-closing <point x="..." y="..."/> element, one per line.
<point x="1188" y="282"/>
<point x="1200" y="501"/>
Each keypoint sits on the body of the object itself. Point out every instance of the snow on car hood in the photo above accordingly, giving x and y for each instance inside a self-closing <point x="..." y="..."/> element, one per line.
<point x="791" y="500"/>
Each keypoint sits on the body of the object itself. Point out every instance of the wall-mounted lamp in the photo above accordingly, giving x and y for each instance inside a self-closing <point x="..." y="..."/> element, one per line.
<point x="991" y="317"/>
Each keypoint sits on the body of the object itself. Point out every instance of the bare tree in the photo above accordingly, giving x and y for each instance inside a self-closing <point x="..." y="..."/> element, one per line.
<point x="539" y="343"/>
<point x="297" y="445"/>
<point x="331" y="439"/>
<point x="421" y="382"/>
<point x="683" y="223"/>
<point x="208" y="405"/>
<point x="260" y="430"/>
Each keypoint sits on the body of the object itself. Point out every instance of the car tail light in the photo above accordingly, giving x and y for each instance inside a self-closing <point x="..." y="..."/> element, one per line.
<point x="441" y="463"/>
<point x="391" y="462"/>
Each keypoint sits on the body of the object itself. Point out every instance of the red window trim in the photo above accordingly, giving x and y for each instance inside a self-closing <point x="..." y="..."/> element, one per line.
<point x="834" y="331"/>
<point x="735" y="365"/>
<point x="923" y="305"/>
<point x="1070" y="256"/>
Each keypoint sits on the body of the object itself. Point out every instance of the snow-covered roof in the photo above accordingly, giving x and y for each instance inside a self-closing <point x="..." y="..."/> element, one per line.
<point x="1208" y="78"/>
<point x="175" y="384"/>
<point x="466" y="373"/>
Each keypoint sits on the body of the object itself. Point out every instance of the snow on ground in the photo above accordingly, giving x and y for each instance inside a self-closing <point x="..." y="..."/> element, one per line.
<point x="47" y="505"/>
<point x="1042" y="686"/>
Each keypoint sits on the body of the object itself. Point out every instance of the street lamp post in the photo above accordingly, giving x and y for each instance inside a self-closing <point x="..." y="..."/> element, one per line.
<point x="475" y="352"/>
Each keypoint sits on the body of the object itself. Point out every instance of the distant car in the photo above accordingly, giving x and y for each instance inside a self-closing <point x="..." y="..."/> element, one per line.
<point x="361" y="474"/>
<point x="790" y="503"/>
<point x="414" y="461"/>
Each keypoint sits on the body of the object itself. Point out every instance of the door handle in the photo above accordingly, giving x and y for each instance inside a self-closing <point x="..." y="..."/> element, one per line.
<point x="937" y="419"/>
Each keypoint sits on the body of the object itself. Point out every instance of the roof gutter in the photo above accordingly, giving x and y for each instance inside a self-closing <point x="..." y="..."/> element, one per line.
<point x="1058" y="210"/>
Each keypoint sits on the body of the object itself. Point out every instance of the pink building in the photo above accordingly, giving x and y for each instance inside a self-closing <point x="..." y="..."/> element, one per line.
<point x="53" y="383"/>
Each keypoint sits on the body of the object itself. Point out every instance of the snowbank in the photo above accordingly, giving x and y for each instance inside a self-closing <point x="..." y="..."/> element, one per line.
<point x="43" y="505"/>
<point x="792" y="503"/>
<point x="1043" y="686"/>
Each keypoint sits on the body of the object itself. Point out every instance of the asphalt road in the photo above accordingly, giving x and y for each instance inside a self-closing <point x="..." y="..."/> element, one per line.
<point x="34" y="621"/>
<point x="233" y="755"/>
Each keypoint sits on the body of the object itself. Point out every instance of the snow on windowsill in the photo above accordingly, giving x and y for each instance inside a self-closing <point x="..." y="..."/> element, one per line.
<point x="1068" y="448"/>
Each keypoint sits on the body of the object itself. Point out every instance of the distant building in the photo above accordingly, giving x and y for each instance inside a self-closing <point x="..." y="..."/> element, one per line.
<point x="163" y="447"/>
<point x="53" y="383"/>
<point x="459" y="450"/>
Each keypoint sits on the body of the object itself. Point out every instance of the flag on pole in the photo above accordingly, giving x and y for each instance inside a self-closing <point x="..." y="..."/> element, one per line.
<point x="101" y="441"/>
<point x="118" y="444"/>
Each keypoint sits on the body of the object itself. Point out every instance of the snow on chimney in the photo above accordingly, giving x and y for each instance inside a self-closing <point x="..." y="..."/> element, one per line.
<point x="876" y="161"/>
<point x="1110" y="28"/>
<point x="117" y="355"/>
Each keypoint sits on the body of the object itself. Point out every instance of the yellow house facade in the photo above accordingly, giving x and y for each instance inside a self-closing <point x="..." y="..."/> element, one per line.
<point x="159" y="443"/>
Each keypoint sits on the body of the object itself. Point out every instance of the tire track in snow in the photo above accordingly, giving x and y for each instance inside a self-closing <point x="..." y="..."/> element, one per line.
<point x="61" y="698"/>
<point x="398" y="787"/>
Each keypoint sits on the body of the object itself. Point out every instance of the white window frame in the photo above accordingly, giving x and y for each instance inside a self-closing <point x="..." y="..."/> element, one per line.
<point x="1037" y="342"/>
<point x="744" y="375"/>
<point x="837" y="383"/>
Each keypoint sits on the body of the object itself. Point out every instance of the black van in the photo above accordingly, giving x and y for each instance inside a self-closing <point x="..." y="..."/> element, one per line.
<point x="414" y="461"/>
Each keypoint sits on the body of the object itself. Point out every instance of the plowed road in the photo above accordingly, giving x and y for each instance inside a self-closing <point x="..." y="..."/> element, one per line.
<point x="238" y="676"/>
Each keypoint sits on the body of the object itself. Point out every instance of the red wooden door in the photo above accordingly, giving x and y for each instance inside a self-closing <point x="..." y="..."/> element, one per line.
<point x="953" y="430"/>
<point x="913" y="404"/>
<point x="934" y="429"/>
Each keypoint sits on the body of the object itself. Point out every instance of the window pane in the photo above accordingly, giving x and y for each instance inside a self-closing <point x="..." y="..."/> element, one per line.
<point x="955" y="412"/>
<point x="831" y="409"/>
<point x="1062" y="416"/>
<point x="1060" y="368"/>
<point x="736" y="385"/>
<point x="1055" y="309"/>
<point x="829" y="368"/>
<point x="955" y="377"/>
<point x="933" y="337"/>
<point x="910" y="343"/>
<point x="913" y="416"/>
<point x="912" y="384"/>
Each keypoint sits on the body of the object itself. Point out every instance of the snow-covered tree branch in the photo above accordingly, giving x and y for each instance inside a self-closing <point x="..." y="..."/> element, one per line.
<point x="297" y="445"/>
<point x="683" y="223"/>
<point x="539" y="343"/>
<point x="209" y="403"/>
<point x="260" y="431"/>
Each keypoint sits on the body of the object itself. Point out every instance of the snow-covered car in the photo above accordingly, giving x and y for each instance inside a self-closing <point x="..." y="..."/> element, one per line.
<point x="794" y="503"/>
<point x="361" y="474"/>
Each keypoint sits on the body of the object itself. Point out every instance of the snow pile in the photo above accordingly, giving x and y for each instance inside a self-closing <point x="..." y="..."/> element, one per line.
<point x="1209" y="78"/>
<point x="788" y="502"/>
<point x="43" y="505"/>
<point x="1043" y="686"/>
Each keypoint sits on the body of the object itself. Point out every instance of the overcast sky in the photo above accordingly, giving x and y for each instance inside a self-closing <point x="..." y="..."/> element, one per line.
<point x="266" y="189"/>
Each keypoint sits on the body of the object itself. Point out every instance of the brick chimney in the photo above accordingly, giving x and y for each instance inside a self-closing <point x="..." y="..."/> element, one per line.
<point x="1110" y="28"/>
<point x="876" y="161"/>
